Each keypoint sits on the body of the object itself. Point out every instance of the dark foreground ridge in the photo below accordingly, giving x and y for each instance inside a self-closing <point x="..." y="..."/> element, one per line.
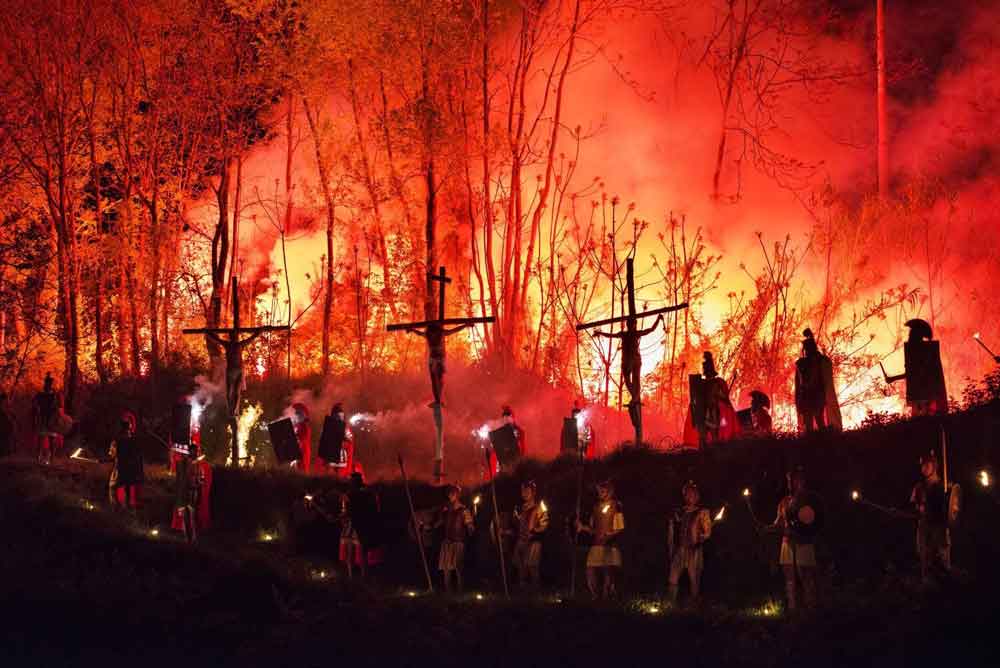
<point x="84" y="585"/>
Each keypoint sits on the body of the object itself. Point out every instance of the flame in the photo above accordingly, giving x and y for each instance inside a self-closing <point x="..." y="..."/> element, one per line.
<point x="154" y="533"/>
<point x="746" y="492"/>
<point x="244" y="423"/>
<point x="720" y="514"/>
<point x="976" y="336"/>
<point x="855" y="495"/>
<point x="581" y="419"/>
<point x="984" y="478"/>
<point x="482" y="433"/>
<point x="606" y="508"/>
<point x="476" y="500"/>
<point x="542" y="506"/>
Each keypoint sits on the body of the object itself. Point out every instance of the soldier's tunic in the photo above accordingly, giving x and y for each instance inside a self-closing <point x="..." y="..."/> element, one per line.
<point x="457" y="523"/>
<point x="796" y="550"/>
<point x="606" y="519"/>
<point x="690" y="527"/>
<point x="532" y="521"/>
<point x="933" y="537"/>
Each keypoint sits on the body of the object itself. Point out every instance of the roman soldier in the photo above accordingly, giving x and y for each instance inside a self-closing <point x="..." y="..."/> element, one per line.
<point x="303" y="434"/>
<point x="687" y="530"/>
<point x="361" y="526"/>
<point x="45" y="412"/>
<point x="336" y="448"/>
<point x="531" y="520"/>
<point x="604" y="559"/>
<point x="711" y="416"/>
<point x="193" y="498"/>
<point x="760" y="418"/>
<point x="925" y="388"/>
<point x="456" y="521"/>
<point x="586" y="437"/>
<point x="127" y="473"/>
<point x="799" y="519"/>
<point x="507" y="417"/>
<point x="936" y="509"/>
<point x="815" y="395"/>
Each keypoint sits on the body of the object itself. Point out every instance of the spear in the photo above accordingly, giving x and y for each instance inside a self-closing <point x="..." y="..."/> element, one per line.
<point x="496" y="523"/>
<point x="416" y="526"/>
<point x="576" y="533"/>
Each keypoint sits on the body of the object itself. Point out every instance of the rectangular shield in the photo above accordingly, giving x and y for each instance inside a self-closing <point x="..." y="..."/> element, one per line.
<point x="924" y="374"/>
<point x="570" y="440"/>
<point x="696" y="388"/>
<point x="331" y="440"/>
<point x="180" y="428"/>
<point x="286" y="445"/>
<point x="504" y="443"/>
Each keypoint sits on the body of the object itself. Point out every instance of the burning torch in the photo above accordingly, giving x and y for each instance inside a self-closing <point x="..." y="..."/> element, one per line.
<point x="996" y="358"/>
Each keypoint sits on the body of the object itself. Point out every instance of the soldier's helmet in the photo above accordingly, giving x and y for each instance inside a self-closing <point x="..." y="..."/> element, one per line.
<point x="606" y="484"/>
<point x="708" y="365"/>
<point x="507" y="411"/>
<point x="690" y="485"/>
<point x="453" y="487"/>
<point x="758" y="398"/>
<point x="920" y="330"/>
<point x="809" y="346"/>
<point x="529" y="484"/>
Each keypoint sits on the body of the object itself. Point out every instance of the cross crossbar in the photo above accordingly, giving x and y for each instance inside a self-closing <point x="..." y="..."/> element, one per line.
<point x="610" y="321"/>
<point x="241" y="330"/>
<point x="446" y="321"/>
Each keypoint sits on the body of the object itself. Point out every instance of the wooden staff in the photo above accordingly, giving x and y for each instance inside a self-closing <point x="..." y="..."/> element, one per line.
<point x="576" y="533"/>
<point x="496" y="522"/>
<point x="416" y="526"/>
<point x="944" y="458"/>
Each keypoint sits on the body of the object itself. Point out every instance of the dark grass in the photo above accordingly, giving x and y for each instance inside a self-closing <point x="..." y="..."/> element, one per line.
<point x="87" y="586"/>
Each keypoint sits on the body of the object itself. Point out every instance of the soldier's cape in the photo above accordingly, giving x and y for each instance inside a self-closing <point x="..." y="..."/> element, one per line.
<point x="924" y="374"/>
<point x="729" y="423"/>
<point x="831" y="406"/>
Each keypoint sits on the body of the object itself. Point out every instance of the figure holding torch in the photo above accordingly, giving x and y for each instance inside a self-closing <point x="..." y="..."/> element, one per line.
<point x="996" y="358"/>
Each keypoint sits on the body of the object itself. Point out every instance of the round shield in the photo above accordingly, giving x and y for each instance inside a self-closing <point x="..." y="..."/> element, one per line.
<point x="805" y="515"/>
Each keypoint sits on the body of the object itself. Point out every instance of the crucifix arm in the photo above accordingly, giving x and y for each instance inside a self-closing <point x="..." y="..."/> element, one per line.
<point x="457" y="328"/>
<point x="215" y="338"/>
<point x="893" y="379"/>
<point x="610" y="335"/>
<point x="656" y="324"/>
<point x="417" y="331"/>
<point x="250" y="339"/>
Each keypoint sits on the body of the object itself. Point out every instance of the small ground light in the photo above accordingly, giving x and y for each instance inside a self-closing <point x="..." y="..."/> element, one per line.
<point x="267" y="538"/>
<point x="984" y="478"/>
<point x="746" y="491"/>
<point x="479" y="597"/>
<point x="154" y="532"/>
<point x="653" y="609"/>
<point x="855" y="495"/>
<point x="411" y="594"/>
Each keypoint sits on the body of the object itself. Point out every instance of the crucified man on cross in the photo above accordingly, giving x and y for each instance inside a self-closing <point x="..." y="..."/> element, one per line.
<point x="631" y="358"/>
<point x="233" y="348"/>
<point x="435" y="334"/>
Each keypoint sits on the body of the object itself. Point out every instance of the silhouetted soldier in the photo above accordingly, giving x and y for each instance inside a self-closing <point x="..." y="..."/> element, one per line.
<point x="531" y="520"/>
<point x="457" y="522"/>
<point x="799" y="520"/>
<point x="45" y="413"/>
<point x="925" y="389"/>
<point x="936" y="508"/>
<point x="711" y="416"/>
<point x="604" y="559"/>
<point x="128" y="475"/>
<point x="688" y="529"/>
<point x="815" y="396"/>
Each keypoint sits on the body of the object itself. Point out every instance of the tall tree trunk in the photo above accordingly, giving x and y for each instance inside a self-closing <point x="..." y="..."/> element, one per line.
<point x="491" y="278"/>
<point x="324" y="177"/>
<point x="287" y="222"/>
<point x="220" y="257"/>
<point x="430" y="220"/>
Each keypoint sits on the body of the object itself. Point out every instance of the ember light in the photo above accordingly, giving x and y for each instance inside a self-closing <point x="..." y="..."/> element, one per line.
<point x="855" y="495"/>
<point x="746" y="492"/>
<point x="153" y="533"/>
<point x="984" y="478"/>
<point x="720" y="514"/>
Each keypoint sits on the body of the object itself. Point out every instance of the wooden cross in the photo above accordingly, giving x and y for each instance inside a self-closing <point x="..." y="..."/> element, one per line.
<point x="435" y="331"/>
<point x="229" y="339"/>
<point x="630" y="336"/>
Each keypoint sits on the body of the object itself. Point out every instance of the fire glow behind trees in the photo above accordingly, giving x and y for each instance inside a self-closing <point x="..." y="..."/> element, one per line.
<point x="328" y="153"/>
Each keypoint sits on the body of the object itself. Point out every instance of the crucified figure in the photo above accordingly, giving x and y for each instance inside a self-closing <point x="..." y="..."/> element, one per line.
<point x="631" y="358"/>
<point x="435" y="334"/>
<point x="234" y="365"/>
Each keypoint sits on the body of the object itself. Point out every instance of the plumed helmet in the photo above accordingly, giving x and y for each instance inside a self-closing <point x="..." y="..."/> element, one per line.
<point x="708" y="365"/>
<point x="919" y="329"/>
<point x="690" y="485"/>
<point x="758" y="398"/>
<point x="809" y="342"/>
<point x="301" y="409"/>
<point x="128" y="416"/>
